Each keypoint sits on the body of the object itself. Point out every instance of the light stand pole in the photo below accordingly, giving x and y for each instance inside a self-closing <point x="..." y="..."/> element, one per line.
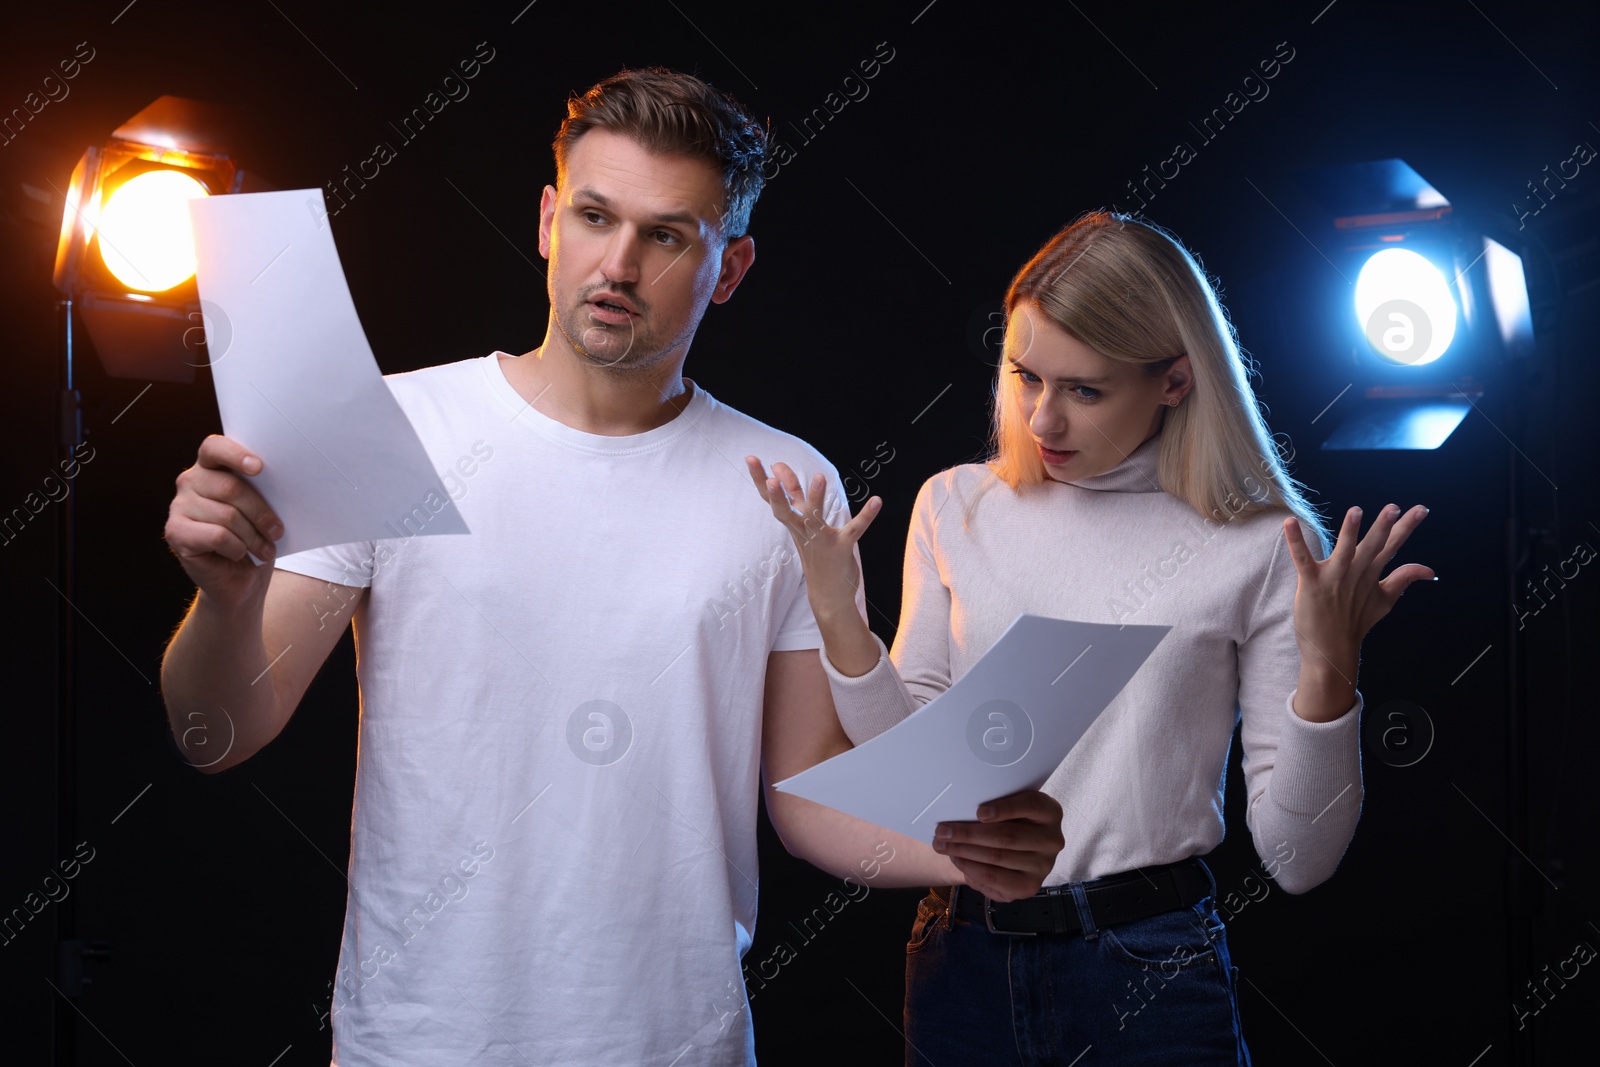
<point x="69" y="951"/>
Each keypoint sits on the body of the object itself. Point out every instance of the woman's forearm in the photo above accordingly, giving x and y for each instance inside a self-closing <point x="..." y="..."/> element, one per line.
<point x="846" y="638"/>
<point x="847" y="847"/>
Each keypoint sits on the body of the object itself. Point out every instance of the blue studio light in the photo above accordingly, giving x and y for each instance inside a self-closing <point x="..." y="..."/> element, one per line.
<point x="1405" y="308"/>
<point x="1431" y="287"/>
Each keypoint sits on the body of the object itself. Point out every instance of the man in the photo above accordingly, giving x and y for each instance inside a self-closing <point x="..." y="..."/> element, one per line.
<point x="565" y="714"/>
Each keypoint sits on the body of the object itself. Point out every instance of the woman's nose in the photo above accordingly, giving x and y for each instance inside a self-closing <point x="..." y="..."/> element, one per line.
<point x="1047" y="415"/>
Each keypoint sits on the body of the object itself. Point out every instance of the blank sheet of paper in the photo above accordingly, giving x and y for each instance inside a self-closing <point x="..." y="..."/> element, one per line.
<point x="1002" y="727"/>
<point x="296" y="381"/>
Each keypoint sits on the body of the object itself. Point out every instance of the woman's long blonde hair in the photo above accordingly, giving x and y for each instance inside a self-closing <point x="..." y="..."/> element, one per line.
<point x="1133" y="293"/>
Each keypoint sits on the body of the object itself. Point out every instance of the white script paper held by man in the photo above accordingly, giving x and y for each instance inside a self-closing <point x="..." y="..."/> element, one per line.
<point x="566" y="715"/>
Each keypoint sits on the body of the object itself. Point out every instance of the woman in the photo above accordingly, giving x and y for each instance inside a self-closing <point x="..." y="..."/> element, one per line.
<point x="1132" y="480"/>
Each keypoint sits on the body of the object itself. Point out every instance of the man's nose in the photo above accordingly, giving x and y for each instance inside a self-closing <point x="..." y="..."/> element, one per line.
<point x="621" y="261"/>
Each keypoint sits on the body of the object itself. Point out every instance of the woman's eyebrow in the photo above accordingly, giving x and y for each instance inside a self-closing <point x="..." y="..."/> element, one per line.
<point x="1075" y="379"/>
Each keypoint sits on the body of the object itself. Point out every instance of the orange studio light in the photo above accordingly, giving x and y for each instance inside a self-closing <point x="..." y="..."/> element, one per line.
<point x="126" y="251"/>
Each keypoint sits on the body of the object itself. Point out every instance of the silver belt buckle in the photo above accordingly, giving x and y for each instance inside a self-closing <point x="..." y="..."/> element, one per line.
<point x="988" y="920"/>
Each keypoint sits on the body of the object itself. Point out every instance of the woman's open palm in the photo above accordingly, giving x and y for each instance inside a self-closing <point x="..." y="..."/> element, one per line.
<point x="1342" y="597"/>
<point x="827" y="553"/>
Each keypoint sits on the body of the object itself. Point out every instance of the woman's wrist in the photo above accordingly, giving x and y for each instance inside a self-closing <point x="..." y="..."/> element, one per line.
<point x="1326" y="691"/>
<point x="848" y="643"/>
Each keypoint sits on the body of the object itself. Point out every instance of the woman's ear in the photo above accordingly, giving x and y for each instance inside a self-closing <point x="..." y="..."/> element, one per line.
<point x="1179" y="380"/>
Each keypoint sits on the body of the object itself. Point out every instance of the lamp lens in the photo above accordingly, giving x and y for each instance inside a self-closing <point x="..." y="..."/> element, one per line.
<point x="145" y="237"/>
<point x="1405" y="308"/>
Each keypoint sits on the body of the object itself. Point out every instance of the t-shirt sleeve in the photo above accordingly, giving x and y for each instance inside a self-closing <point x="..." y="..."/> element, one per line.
<point x="918" y="669"/>
<point x="350" y="564"/>
<point x="1303" y="778"/>
<point x="799" y="629"/>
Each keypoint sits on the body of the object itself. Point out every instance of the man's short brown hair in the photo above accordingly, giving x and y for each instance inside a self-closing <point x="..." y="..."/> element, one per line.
<point x="675" y="114"/>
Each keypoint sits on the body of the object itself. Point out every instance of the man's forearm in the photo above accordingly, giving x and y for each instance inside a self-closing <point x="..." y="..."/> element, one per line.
<point x="217" y="682"/>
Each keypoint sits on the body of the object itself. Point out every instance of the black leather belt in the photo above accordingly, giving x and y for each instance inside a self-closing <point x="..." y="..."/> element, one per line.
<point x="1116" y="898"/>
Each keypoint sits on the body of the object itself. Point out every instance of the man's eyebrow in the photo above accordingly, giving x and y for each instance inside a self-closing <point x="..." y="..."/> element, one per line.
<point x="1075" y="380"/>
<point x="590" y="195"/>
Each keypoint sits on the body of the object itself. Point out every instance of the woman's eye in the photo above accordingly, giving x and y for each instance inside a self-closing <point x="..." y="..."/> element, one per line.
<point x="1026" y="375"/>
<point x="1085" y="392"/>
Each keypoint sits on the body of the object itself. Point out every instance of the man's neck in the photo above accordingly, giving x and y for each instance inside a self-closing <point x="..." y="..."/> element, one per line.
<point x="591" y="399"/>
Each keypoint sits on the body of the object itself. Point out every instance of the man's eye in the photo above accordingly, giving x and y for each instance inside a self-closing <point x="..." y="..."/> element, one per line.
<point x="666" y="238"/>
<point x="593" y="217"/>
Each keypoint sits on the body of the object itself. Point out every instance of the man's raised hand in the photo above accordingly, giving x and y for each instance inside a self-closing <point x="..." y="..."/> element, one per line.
<point x="217" y="517"/>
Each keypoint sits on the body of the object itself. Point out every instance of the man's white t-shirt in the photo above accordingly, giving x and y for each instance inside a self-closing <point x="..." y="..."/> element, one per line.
<point x="553" y="844"/>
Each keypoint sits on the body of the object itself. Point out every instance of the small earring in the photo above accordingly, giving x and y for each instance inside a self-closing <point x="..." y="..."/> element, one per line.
<point x="1173" y="402"/>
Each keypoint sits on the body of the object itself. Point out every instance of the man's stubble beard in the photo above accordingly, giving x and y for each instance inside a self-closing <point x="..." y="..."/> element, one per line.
<point x="640" y="352"/>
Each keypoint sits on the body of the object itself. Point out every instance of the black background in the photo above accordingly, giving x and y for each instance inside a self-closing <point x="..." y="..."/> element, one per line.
<point x="884" y="246"/>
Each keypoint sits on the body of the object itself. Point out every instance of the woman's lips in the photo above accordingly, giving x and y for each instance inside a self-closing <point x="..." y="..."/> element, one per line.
<point x="1051" y="456"/>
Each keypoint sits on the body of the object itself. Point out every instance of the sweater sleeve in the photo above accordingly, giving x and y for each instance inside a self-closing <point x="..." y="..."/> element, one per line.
<point x="918" y="669"/>
<point x="1303" y="778"/>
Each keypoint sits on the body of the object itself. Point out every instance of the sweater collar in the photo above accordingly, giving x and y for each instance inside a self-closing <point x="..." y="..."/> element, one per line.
<point x="1135" y="474"/>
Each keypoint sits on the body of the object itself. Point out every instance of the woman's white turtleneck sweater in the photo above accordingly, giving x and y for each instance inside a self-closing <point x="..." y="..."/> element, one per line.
<point x="1144" y="785"/>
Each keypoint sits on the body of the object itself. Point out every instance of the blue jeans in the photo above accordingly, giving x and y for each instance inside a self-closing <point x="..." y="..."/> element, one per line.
<point x="1154" y="991"/>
